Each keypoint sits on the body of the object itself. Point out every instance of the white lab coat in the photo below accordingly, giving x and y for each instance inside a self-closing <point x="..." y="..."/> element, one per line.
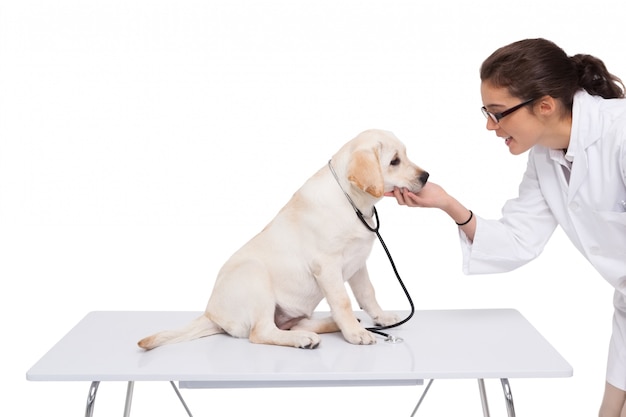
<point x="591" y="209"/>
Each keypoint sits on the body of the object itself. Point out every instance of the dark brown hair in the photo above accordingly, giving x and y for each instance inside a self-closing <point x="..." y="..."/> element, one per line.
<point x="533" y="68"/>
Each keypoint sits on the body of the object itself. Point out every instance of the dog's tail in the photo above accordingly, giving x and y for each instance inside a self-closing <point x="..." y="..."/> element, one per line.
<point x="199" y="327"/>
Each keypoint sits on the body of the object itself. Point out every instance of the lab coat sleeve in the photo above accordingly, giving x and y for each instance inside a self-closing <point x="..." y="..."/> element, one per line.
<point x="622" y="158"/>
<point x="518" y="237"/>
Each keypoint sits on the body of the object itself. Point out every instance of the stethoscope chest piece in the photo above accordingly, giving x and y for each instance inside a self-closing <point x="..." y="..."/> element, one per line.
<point x="394" y="340"/>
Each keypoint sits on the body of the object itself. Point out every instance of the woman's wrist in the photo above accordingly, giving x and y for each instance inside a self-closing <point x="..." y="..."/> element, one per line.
<point x="457" y="211"/>
<point x="469" y="219"/>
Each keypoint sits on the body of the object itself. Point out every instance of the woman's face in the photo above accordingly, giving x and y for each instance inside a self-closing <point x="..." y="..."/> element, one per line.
<point x="520" y="129"/>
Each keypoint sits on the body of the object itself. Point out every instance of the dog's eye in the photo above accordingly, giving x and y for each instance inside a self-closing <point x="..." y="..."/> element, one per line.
<point x="395" y="161"/>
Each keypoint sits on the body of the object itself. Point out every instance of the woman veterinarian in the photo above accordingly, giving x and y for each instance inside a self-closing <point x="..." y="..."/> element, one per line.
<point x="570" y="113"/>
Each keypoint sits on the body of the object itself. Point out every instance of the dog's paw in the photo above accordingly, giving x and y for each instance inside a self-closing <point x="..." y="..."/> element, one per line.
<point x="386" y="319"/>
<point x="307" y="340"/>
<point x="360" y="337"/>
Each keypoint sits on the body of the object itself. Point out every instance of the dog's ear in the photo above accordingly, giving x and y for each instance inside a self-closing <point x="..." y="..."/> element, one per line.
<point x="364" y="172"/>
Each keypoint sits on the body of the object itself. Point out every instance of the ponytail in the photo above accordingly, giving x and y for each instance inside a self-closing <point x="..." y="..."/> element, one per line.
<point x="595" y="78"/>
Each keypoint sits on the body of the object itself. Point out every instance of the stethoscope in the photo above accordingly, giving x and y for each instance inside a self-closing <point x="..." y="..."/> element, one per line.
<point x="374" y="229"/>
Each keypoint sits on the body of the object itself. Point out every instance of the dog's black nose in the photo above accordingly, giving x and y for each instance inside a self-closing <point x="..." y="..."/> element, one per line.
<point x="424" y="177"/>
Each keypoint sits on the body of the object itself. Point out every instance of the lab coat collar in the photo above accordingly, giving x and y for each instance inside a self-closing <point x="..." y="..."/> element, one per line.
<point x="585" y="131"/>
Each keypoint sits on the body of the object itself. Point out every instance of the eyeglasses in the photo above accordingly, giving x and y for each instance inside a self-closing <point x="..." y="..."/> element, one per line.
<point x="496" y="117"/>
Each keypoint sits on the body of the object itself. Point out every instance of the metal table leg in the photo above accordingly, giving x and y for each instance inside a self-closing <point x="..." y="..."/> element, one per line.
<point x="180" y="397"/>
<point x="483" y="397"/>
<point x="506" y="387"/>
<point x="93" y="390"/>
<point x="129" y="398"/>
<point x="422" y="397"/>
<point x="508" y="396"/>
<point x="91" y="398"/>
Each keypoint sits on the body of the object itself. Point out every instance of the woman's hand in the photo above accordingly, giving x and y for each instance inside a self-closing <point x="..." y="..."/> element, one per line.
<point x="431" y="195"/>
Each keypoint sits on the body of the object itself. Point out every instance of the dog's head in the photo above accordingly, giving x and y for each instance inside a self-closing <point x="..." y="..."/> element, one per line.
<point x="377" y="162"/>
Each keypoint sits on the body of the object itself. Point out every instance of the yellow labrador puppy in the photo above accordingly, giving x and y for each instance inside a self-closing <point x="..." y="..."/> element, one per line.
<point x="268" y="290"/>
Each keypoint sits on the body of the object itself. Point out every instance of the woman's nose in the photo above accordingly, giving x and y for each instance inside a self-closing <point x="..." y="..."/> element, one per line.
<point x="491" y="125"/>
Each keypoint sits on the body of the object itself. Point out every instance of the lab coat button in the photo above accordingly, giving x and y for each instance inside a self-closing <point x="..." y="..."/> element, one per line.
<point x="594" y="250"/>
<point x="573" y="206"/>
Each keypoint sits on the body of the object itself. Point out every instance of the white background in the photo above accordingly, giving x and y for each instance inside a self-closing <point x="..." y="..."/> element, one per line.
<point x="142" y="142"/>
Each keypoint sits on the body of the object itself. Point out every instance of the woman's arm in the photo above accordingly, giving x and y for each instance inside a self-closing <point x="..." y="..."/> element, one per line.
<point x="433" y="196"/>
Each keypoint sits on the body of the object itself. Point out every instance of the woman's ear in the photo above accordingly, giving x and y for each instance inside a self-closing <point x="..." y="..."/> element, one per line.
<point x="365" y="173"/>
<point x="547" y="106"/>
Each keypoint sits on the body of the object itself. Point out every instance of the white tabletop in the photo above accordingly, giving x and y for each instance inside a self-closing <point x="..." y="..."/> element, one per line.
<point x="437" y="344"/>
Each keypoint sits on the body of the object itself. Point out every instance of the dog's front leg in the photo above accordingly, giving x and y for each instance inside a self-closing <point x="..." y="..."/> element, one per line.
<point x="334" y="289"/>
<point x="365" y="295"/>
